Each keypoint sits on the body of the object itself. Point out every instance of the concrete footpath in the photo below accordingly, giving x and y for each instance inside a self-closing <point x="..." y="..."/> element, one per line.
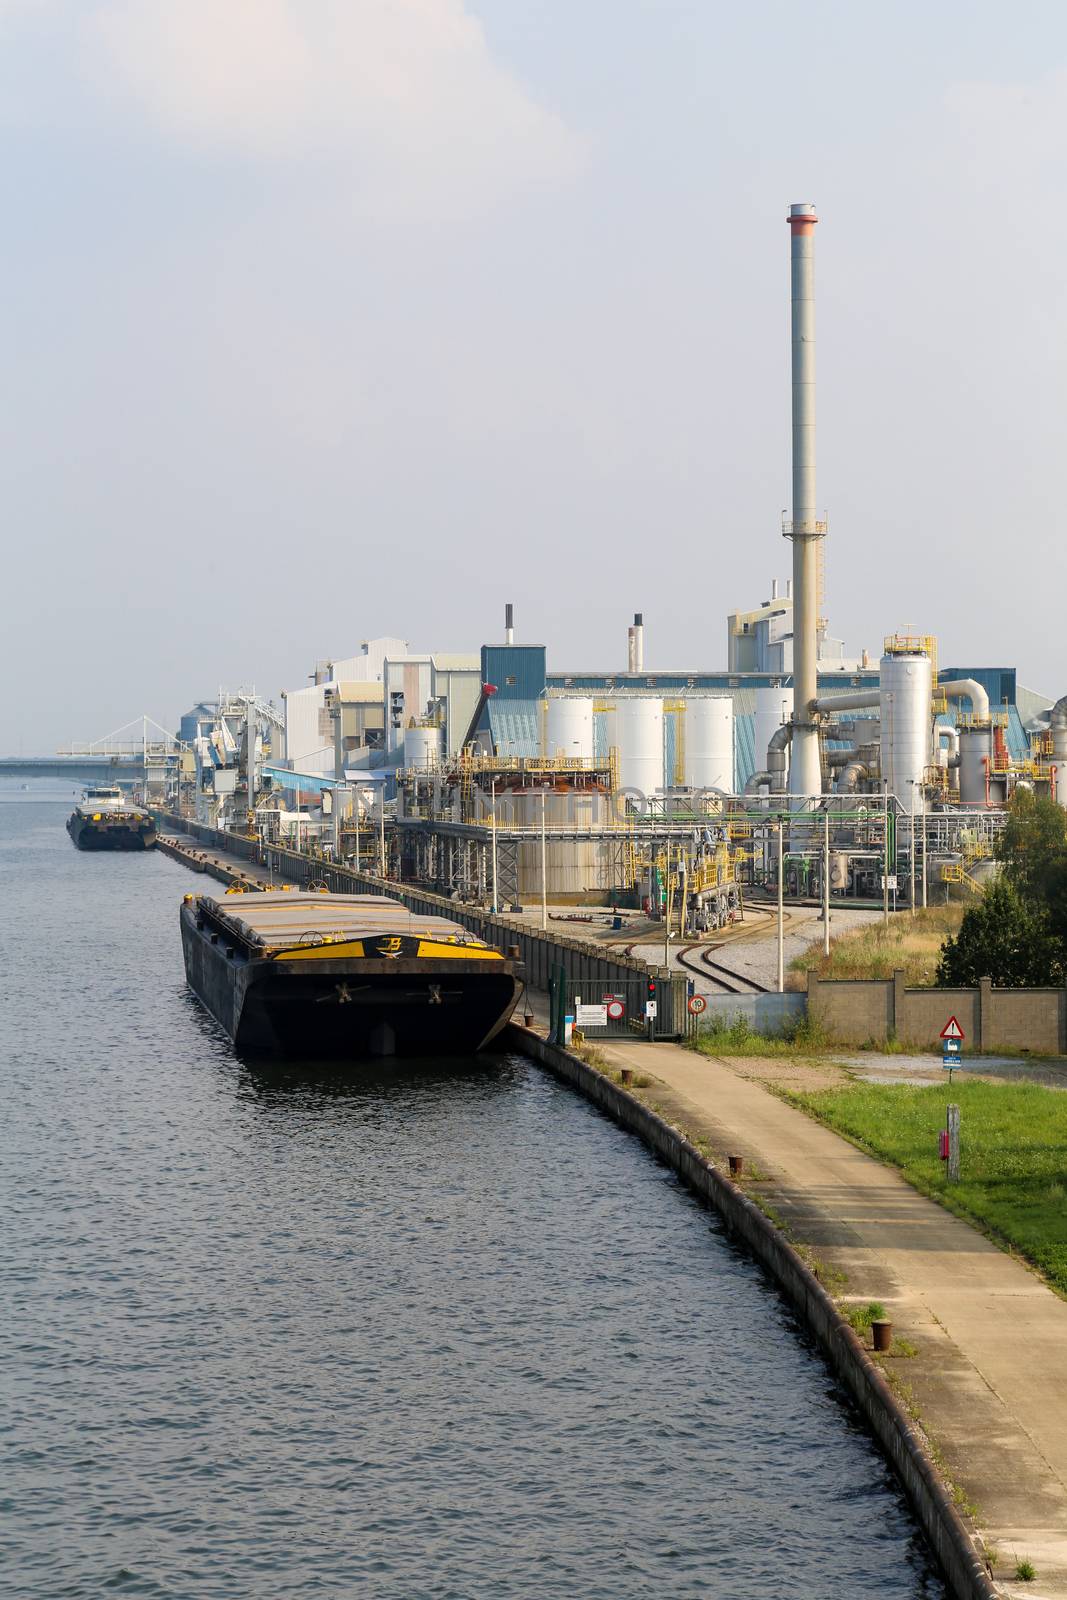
<point x="989" y="1380"/>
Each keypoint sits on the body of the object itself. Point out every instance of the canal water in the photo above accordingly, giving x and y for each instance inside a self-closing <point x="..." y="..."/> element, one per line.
<point x="441" y="1333"/>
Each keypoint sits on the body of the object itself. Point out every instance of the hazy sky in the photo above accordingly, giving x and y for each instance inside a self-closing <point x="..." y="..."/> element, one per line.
<point x="330" y="318"/>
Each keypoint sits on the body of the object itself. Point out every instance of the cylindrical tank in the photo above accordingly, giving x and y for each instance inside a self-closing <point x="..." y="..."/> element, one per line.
<point x="639" y="738"/>
<point x="907" y="720"/>
<point x="569" y="727"/>
<point x="422" y="749"/>
<point x="976" y="748"/>
<point x="773" y="707"/>
<point x="709" y="743"/>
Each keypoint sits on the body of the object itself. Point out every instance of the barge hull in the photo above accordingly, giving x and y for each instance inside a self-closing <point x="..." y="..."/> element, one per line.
<point x="347" y="1010"/>
<point x="109" y="836"/>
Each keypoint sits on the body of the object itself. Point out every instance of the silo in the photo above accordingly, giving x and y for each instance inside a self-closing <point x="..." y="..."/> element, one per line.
<point x="773" y="707"/>
<point x="569" y="727"/>
<point x="639" y="738"/>
<point x="422" y="749"/>
<point x="709" y="743"/>
<point x="904" y="683"/>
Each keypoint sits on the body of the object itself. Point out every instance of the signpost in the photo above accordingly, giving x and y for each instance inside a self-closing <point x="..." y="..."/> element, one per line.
<point x="951" y="1046"/>
<point x="952" y="1043"/>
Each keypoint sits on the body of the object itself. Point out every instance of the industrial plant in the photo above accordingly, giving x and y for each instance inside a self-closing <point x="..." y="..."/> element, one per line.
<point x="494" y="778"/>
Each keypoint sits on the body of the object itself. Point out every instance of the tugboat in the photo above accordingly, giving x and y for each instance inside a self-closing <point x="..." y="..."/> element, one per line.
<point x="313" y="976"/>
<point x="104" y="820"/>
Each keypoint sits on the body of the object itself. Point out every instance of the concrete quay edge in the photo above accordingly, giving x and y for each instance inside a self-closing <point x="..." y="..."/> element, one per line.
<point x="900" y="1440"/>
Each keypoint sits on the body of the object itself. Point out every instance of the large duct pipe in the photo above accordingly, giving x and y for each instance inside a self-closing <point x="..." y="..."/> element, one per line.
<point x="509" y="623"/>
<point x="848" y="702"/>
<point x="805" y="530"/>
<point x="780" y="741"/>
<point x="851" y="775"/>
<point x="959" y="688"/>
<point x="635" y="644"/>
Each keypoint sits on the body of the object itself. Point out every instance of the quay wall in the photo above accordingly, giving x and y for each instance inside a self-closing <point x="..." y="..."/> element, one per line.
<point x="543" y="954"/>
<point x="900" y="1440"/>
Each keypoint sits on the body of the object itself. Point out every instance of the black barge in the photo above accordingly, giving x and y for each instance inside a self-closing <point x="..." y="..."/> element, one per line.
<point x="303" y="975"/>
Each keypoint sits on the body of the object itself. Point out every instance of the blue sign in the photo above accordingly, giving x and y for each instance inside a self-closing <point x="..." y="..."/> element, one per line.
<point x="950" y="1047"/>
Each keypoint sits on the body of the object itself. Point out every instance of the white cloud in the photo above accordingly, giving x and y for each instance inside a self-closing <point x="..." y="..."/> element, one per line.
<point x="406" y="91"/>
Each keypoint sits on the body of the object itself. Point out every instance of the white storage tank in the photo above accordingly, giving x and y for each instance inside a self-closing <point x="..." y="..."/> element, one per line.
<point x="639" y="738"/>
<point x="422" y="749"/>
<point x="709" y="743"/>
<point x="569" y="727"/>
<point x="906" y="708"/>
<point x="773" y="707"/>
<point x="976" y="758"/>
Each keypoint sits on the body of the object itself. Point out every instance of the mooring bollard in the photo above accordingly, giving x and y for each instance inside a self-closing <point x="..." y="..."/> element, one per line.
<point x="626" y="1075"/>
<point x="737" y="1166"/>
<point x="882" y="1334"/>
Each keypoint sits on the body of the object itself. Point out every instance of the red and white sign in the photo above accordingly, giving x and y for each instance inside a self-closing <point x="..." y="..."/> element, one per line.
<point x="952" y="1030"/>
<point x="616" y="1010"/>
<point x="697" y="1004"/>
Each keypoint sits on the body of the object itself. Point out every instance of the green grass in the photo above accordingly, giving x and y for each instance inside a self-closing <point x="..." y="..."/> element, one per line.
<point x="735" y="1036"/>
<point x="1013" y="1154"/>
<point x="873" y="951"/>
<point x="859" y="1318"/>
<point x="1026" y="1571"/>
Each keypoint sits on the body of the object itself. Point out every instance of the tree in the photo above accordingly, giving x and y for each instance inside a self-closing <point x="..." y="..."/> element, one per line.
<point x="1033" y="845"/>
<point x="1006" y="938"/>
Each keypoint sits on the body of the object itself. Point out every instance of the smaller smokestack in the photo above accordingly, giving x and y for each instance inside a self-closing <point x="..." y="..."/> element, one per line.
<point x="774" y="588"/>
<point x="635" y="642"/>
<point x="509" y="623"/>
<point x="789" y="588"/>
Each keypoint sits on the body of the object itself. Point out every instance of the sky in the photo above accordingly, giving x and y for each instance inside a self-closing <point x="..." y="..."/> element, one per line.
<point x="327" y="319"/>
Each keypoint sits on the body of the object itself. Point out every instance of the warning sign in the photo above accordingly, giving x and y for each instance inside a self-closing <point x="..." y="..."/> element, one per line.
<point x="952" y="1030"/>
<point x="697" y="1004"/>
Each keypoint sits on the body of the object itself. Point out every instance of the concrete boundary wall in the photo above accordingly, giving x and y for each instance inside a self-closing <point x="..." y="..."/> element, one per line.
<point x="941" y="1522"/>
<point x="585" y="968"/>
<point x="876" y="1009"/>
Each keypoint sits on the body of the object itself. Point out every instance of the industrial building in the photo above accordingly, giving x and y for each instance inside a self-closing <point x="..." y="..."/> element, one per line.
<point x="493" y="778"/>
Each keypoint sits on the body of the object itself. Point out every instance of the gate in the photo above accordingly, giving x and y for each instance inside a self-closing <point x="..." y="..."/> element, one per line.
<point x="616" y="1009"/>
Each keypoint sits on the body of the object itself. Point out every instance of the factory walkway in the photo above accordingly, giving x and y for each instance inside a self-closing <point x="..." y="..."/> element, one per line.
<point x="989" y="1380"/>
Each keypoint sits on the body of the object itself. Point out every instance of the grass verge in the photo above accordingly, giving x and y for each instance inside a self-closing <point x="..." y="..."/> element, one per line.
<point x="735" y="1036"/>
<point x="1013" y="1154"/>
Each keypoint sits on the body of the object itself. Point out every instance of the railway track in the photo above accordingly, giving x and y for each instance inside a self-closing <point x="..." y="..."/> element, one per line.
<point x="726" y="979"/>
<point x="712" y="971"/>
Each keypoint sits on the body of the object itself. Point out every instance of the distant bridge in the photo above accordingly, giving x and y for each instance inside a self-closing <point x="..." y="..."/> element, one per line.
<point x="117" y="758"/>
<point x="78" y="769"/>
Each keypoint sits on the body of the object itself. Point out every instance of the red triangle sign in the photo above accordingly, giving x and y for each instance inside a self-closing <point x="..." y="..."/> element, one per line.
<point x="952" y="1030"/>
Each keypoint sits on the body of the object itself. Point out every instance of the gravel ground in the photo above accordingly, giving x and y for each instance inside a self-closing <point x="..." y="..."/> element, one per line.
<point x="755" y="954"/>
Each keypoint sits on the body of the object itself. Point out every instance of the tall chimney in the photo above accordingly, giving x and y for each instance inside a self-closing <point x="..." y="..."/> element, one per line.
<point x="509" y="623"/>
<point x="635" y="644"/>
<point x="805" y="530"/>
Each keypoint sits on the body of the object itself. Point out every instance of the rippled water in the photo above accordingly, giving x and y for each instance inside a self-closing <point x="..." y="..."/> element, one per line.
<point x="441" y="1333"/>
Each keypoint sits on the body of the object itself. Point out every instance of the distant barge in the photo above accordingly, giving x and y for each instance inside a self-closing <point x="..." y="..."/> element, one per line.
<point x="104" y="820"/>
<point x="343" y="975"/>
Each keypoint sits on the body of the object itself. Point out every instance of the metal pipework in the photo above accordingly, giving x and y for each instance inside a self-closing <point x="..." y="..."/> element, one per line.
<point x="509" y="623"/>
<point x="635" y="644"/>
<point x="959" y="688"/>
<point x="805" y="530"/>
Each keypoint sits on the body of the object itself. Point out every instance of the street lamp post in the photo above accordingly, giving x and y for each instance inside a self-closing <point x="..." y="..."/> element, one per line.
<point x="544" y="866"/>
<point x="781" y="908"/>
<point x="493" y="823"/>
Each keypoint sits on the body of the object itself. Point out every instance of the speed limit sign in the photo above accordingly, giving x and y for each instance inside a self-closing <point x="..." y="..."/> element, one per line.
<point x="697" y="1004"/>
